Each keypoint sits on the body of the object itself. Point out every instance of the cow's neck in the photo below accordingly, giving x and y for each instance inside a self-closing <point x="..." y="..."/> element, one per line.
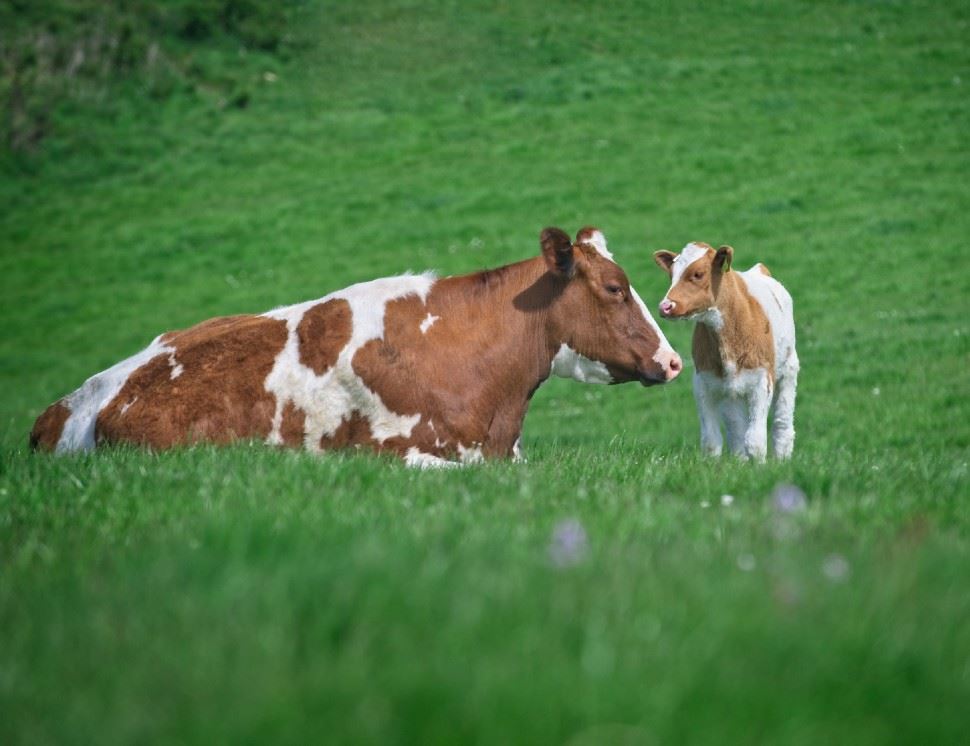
<point x="506" y="312"/>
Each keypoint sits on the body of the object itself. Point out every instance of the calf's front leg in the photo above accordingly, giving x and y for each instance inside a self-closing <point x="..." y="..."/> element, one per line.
<point x="756" y="429"/>
<point x="707" y="399"/>
<point x="735" y="411"/>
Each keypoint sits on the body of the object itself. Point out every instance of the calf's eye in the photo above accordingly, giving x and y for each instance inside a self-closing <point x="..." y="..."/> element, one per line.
<point x="698" y="275"/>
<point x="614" y="289"/>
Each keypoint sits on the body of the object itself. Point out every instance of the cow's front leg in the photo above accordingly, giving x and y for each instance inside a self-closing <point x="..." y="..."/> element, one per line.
<point x="503" y="440"/>
<point x="517" y="456"/>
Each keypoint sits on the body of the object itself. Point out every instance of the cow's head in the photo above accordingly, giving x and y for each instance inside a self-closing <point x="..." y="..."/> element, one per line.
<point x="695" y="279"/>
<point x="603" y="331"/>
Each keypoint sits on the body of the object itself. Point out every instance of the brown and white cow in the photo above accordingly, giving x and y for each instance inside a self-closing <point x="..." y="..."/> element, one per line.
<point x="435" y="370"/>
<point x="744" y="348"/>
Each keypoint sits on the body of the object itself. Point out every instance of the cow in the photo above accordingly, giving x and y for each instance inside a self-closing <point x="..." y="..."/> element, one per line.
<point x="436" y="371"/>
<point x="745" y="362"/>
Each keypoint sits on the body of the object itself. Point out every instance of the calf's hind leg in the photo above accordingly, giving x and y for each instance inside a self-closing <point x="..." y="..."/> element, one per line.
<point x="783" y="418"/>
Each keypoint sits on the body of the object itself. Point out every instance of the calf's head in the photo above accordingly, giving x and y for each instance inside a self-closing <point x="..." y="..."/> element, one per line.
<point x="695" y="279"/>
<point x="604" y="332"/>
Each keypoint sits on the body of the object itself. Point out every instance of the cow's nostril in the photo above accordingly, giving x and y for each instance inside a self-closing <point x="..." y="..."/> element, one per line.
<point x="673" y="367"/>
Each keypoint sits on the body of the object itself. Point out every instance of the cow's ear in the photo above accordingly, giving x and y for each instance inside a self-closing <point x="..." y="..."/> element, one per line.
<point x="595" y="238"/>
<point x="722" y="259"/>
<point x="665" y="260"/>
<point x="557" y="250"/>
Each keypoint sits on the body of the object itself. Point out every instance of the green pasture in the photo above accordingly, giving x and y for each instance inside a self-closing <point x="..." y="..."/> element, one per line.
<point x="605" y="592"/>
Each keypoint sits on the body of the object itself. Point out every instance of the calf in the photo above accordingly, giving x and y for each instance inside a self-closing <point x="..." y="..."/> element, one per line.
<point x="743" y="348"/>
<point x="434" y="370"/>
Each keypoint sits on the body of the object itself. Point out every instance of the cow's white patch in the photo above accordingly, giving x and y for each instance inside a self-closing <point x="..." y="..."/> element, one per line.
<point x="665" y="352"/>
<point x="428" y="321"/>
<point x="177" y="367"/>
<point x="471" y="455"/>
<point x="598" y="241"/>
<point x="127" y="404"/>
<point x="335" y="396"/>
<point x="570" y="364"/>
<point x="419" y="460"/>
<point x="97" y="392"/>
<point x="517" y="456"/>
<point x="438" y="442"/>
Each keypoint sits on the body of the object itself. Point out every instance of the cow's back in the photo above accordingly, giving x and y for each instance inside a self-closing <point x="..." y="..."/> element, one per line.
<point x="203" y="383"/>
<point x="285" y="376"/>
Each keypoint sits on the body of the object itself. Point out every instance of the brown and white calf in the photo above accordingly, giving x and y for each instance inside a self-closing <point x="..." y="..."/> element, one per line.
<point x="435" y="370"/>
<point x="744" y="348"/>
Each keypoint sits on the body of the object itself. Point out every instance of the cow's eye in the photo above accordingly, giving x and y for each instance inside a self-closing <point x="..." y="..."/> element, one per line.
<point x="614" y="289"/>
<point x="698" y="275"/>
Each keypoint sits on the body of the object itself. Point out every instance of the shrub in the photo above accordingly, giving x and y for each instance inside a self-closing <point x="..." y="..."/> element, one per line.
<point x="52" y="50"/>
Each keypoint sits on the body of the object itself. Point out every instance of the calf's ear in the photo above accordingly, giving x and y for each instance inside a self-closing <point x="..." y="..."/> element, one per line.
<point x="722" y="259"/>
<point x="557" y="250"/>
<point x="665" y="260"/>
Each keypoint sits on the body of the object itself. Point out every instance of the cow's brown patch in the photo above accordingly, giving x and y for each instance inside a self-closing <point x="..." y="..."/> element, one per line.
<point x="406" y="369"/>
<point x="323" y="332"/>
<point x="219" y="395"/>
<point x="204" y="330"/>
<point x="463" y="379"/>
<point x="355" y="432"/>
<point x="292" y="425"/>
<point x="49" y="426"/>
<point x="352" y="431"/>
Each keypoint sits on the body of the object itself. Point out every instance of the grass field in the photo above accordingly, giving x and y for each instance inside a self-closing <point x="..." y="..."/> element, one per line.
<point x="603" y="592"/>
